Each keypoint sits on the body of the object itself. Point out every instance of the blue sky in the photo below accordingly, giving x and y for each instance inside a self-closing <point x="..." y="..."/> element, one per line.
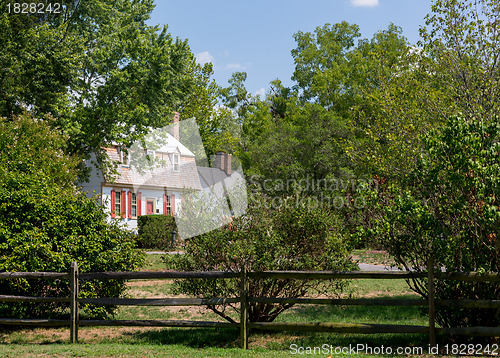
<point x="257" y="36"/>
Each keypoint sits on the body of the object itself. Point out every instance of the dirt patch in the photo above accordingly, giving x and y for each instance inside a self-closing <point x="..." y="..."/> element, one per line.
<point x="385" y="294"/>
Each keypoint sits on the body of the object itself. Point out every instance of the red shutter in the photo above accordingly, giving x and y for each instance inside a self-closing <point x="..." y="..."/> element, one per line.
<point x="164" y="204"/>
<point x="124" y="203"/>
<point x="172" y="204"/>
<point x="113" y="198"/>
<point x="139" y="204"/>
<point x="129" y="205"/>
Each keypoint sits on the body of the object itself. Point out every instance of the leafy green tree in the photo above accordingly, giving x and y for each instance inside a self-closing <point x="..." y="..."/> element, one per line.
<point x="449" y="209"/>
<point x="46" y="223"/>
<point x="461" y="44"/>
<point x="452" y="70"/>
<point x="335" y="72"/>
<point x="270" y="236"/>
<point x="98" y="68"/>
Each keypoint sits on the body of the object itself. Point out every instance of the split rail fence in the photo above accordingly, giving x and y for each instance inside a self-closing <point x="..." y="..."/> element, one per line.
<point x="245" y="300"/>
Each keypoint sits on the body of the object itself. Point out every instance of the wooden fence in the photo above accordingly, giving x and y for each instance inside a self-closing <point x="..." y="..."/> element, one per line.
<point x="244" y="299"/>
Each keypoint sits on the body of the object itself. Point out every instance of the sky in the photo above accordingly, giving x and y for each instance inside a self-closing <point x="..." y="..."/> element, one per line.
<point x="257" y="36"/>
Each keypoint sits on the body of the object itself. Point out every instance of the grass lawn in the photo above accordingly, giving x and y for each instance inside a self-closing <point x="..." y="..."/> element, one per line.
<point x="375" y="257"/>
<point x="208" y="342"/>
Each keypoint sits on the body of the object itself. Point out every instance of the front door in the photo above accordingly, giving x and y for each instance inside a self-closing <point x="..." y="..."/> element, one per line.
<point x="150" y="207"/>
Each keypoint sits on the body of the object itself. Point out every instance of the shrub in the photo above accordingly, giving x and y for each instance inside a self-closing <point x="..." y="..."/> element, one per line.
<point x="46" y="223"/>
<point x="289" y="237"/>
<point x="155" y="231"/>
<point x="450" y="209"/>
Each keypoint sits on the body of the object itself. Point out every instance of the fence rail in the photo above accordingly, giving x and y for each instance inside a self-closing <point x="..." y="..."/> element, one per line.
<point x="245" y="300"/>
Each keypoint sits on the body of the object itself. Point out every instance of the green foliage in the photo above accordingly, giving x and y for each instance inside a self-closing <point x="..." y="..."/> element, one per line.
<point x="461" y="42"/>
<point x="333" y="72"/>
<point x="155" y="231"/>
<point x="98" y="68"/>
<point x="292" y="236"/>
<point x="46" y="223"/>
<point x="306" y="144"/>
<point x="450" y="209"/>
<point x="453" y="69"/>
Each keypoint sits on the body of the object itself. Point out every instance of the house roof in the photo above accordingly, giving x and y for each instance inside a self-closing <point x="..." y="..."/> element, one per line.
<point x="162" y="175"/>
<point x="171" y="145"/>
<point x="211" y="176"/>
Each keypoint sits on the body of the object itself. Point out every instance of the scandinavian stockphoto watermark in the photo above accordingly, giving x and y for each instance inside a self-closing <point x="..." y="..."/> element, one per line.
<point x="207" y="197"/>
<point x="360" y="348"/>
<point x="335" y="193"/>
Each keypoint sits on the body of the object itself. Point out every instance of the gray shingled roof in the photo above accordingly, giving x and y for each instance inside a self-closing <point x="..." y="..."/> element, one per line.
<point x="212" y="176"/>
<point x="160" y="176"/>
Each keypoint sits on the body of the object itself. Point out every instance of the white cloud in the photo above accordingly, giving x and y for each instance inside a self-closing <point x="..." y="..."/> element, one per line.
<point x="261" y="92"/>
<point x="235" y="67"/>
<point x="204" y="57"/>
<point x="367" y="3"/>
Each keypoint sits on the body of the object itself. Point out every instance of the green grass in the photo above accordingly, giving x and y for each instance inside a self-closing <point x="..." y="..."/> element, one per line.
<point x="129" y="350"/>
<point x="376" y="257"/>
<point x="153" y="263"/>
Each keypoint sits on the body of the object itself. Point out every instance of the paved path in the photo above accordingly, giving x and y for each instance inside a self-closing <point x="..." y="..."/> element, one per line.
<point x="370" y="267"/>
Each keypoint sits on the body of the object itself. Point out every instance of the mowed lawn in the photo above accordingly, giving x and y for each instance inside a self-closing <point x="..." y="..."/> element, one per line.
<point x="211" y="342"/>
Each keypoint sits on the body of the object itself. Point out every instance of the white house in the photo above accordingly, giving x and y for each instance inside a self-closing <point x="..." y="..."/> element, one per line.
<point x="158" y="188"/>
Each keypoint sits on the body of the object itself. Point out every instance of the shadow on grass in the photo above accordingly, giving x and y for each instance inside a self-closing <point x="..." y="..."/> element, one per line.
<point x="191" y="337"/>
<point x="411" y="315"/>
<point x="400" y="315"/>
<point x="351" y="340"/>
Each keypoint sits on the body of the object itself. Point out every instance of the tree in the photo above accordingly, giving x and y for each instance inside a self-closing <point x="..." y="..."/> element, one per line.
<point x="453" y="70"/>
<point x="291" y="236"/>
<point x="461" y="43"/>
<point x="337" y="74"/>
<point x="97" y="68"/>
<point x="449" y="209"/>
<point x="46" y="223"/>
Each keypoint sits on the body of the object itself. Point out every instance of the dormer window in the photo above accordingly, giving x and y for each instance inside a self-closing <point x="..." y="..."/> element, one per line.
<point x="176" y="160"/>
<point x="150" y="155"/>
<point x="124" y="159"/>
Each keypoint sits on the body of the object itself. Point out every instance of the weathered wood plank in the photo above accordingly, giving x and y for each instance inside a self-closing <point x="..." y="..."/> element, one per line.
<point x="338" y="327"/>
<point x="244" y="330"/>
<point x="73" y="280"/>
<point x="472" y="331"/>
<point x="9" y="298"/>
<point x="34" y="322"/>
<point x="469" y="303"/>
<point x="469" y="276"/>
<point x="431" y="292"/>
<point x="138" y="275"/>
<point x="341" y="301"/>
<point x="158" y="301"/>
<point x="326" y="275"/>
<point x="52" y="275"/>
<point x="156" y="323"/>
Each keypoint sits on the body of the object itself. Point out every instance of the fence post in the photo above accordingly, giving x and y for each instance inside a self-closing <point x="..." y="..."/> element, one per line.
<point x="73" y="279"/>
<point x="431" y="292"/>
<point x="244" y="308"/>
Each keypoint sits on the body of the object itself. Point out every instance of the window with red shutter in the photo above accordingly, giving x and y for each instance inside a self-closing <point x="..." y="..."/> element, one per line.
<point x="124" y="204"/>
<point x="129" y="209"/>
<point x="113" y="203"/>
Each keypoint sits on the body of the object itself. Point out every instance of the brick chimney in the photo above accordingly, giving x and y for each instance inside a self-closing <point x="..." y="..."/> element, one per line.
<point x="223" y="162"/>
<point x="227" y="163"/>
<point x="219" y="160"/>
<point x="175" y="126"/>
